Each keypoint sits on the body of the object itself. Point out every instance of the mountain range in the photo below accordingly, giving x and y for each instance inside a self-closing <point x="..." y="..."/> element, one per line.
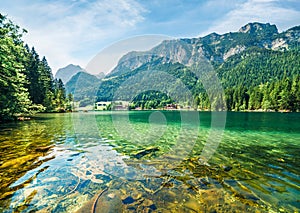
<point x="214" y="47"/>
<point x="246" y="62"/>
<point x="82" y="85"/>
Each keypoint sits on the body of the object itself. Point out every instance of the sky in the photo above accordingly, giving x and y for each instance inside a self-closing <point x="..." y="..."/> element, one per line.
<point x="75" y="31"/>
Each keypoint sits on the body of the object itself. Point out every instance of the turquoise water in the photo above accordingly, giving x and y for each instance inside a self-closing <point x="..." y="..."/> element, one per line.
<point x="151" y="161"/>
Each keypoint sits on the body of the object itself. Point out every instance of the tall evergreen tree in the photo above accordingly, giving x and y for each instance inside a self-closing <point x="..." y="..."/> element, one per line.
<point x="46" y="81"/>
<point x="59" y="95"/>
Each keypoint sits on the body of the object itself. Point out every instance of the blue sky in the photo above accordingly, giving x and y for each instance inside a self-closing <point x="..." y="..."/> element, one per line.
<point x="74" y="31"/>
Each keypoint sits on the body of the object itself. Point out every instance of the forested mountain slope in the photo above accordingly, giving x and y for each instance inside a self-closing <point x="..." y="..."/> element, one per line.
<point x="258" y="68"/>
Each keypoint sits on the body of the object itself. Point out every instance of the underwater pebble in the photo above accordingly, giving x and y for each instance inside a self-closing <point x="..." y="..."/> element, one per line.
<point x="192" y="204"/>
<point x="227" y="168"/>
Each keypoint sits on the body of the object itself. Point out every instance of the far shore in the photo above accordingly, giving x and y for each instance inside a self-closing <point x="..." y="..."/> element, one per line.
<point x="83" y="109"/>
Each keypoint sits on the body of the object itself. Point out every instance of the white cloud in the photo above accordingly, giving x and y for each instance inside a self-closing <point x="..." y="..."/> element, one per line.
<point x="265" y="11"/>
<point x="64" y="31"/>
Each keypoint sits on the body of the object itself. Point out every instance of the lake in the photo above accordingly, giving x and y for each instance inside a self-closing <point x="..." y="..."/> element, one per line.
<point x="151" y="161"/>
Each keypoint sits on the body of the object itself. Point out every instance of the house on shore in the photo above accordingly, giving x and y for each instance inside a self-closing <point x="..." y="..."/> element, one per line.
<point x="102" y="105"/>
<point x="109" y="105"/>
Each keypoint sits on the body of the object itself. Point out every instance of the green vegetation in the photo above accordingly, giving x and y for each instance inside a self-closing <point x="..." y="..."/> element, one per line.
<point x="26" y="82"/>
<point x="83" y="86"/>
<point x="151" y="100"/>
<point x="262" y="79"/>
<point x="258" y="68"/>
<point x="256" y="79"/>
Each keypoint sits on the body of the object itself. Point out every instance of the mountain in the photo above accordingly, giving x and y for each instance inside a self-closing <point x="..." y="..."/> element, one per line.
<point x="66" y="73"/>
<point x="100" y="75"/>
<point x="258" y="67"/>
<point x="214" y="47"/>
<point x="84" y="87"/>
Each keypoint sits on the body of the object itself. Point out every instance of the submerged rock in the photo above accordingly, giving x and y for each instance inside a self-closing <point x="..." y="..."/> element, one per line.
<point x="43" y="148"/>
<point x="144" y="152"/>
<point x="104" y="202"/>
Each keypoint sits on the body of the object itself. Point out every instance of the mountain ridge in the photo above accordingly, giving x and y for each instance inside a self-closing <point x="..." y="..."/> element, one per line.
<point x="258" y="69"/>
<point x="214" y="47"/>
<point x="66" y="73"/>
<point x="83" y="86"/>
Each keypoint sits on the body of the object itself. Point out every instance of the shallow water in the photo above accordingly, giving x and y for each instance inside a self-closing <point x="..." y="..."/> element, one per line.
<point x="151" y="161"/>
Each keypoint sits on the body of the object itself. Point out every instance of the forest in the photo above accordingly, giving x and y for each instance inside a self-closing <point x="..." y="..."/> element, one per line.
<point x="27" y="85"/>
<point x="260" y="79"/>
<point x="257" y="79"/>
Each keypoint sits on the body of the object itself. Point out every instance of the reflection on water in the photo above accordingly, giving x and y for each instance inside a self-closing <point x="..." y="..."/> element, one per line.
<point x="81" y="163"/>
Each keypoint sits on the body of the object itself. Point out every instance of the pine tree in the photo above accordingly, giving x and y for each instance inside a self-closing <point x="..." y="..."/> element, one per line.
<point x="59" y="95"/>
<point x="46" y="81"/>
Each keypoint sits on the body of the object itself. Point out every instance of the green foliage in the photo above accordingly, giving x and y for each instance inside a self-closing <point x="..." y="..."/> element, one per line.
<point x="262" y="79"/>
<point x="26" y="82"/>
<point x="257" y="66"/>
<point x="83" y="87"/>
<point x="60" y="99"/>
<point x="150" y="99"/>
<point x="257" y="79"/>
<point x="14" y="99"/>
<point x="70" y="102"/>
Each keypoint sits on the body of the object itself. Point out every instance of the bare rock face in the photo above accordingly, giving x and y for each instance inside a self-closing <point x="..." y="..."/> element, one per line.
<point x="232" y="51"/>
<point x="259" y="29"/>
<point x="279" y="44"/>
<point x="288" y="39"/>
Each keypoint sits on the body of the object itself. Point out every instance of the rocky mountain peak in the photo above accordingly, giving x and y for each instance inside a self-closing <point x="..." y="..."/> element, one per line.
<point x="259" y="29"/>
